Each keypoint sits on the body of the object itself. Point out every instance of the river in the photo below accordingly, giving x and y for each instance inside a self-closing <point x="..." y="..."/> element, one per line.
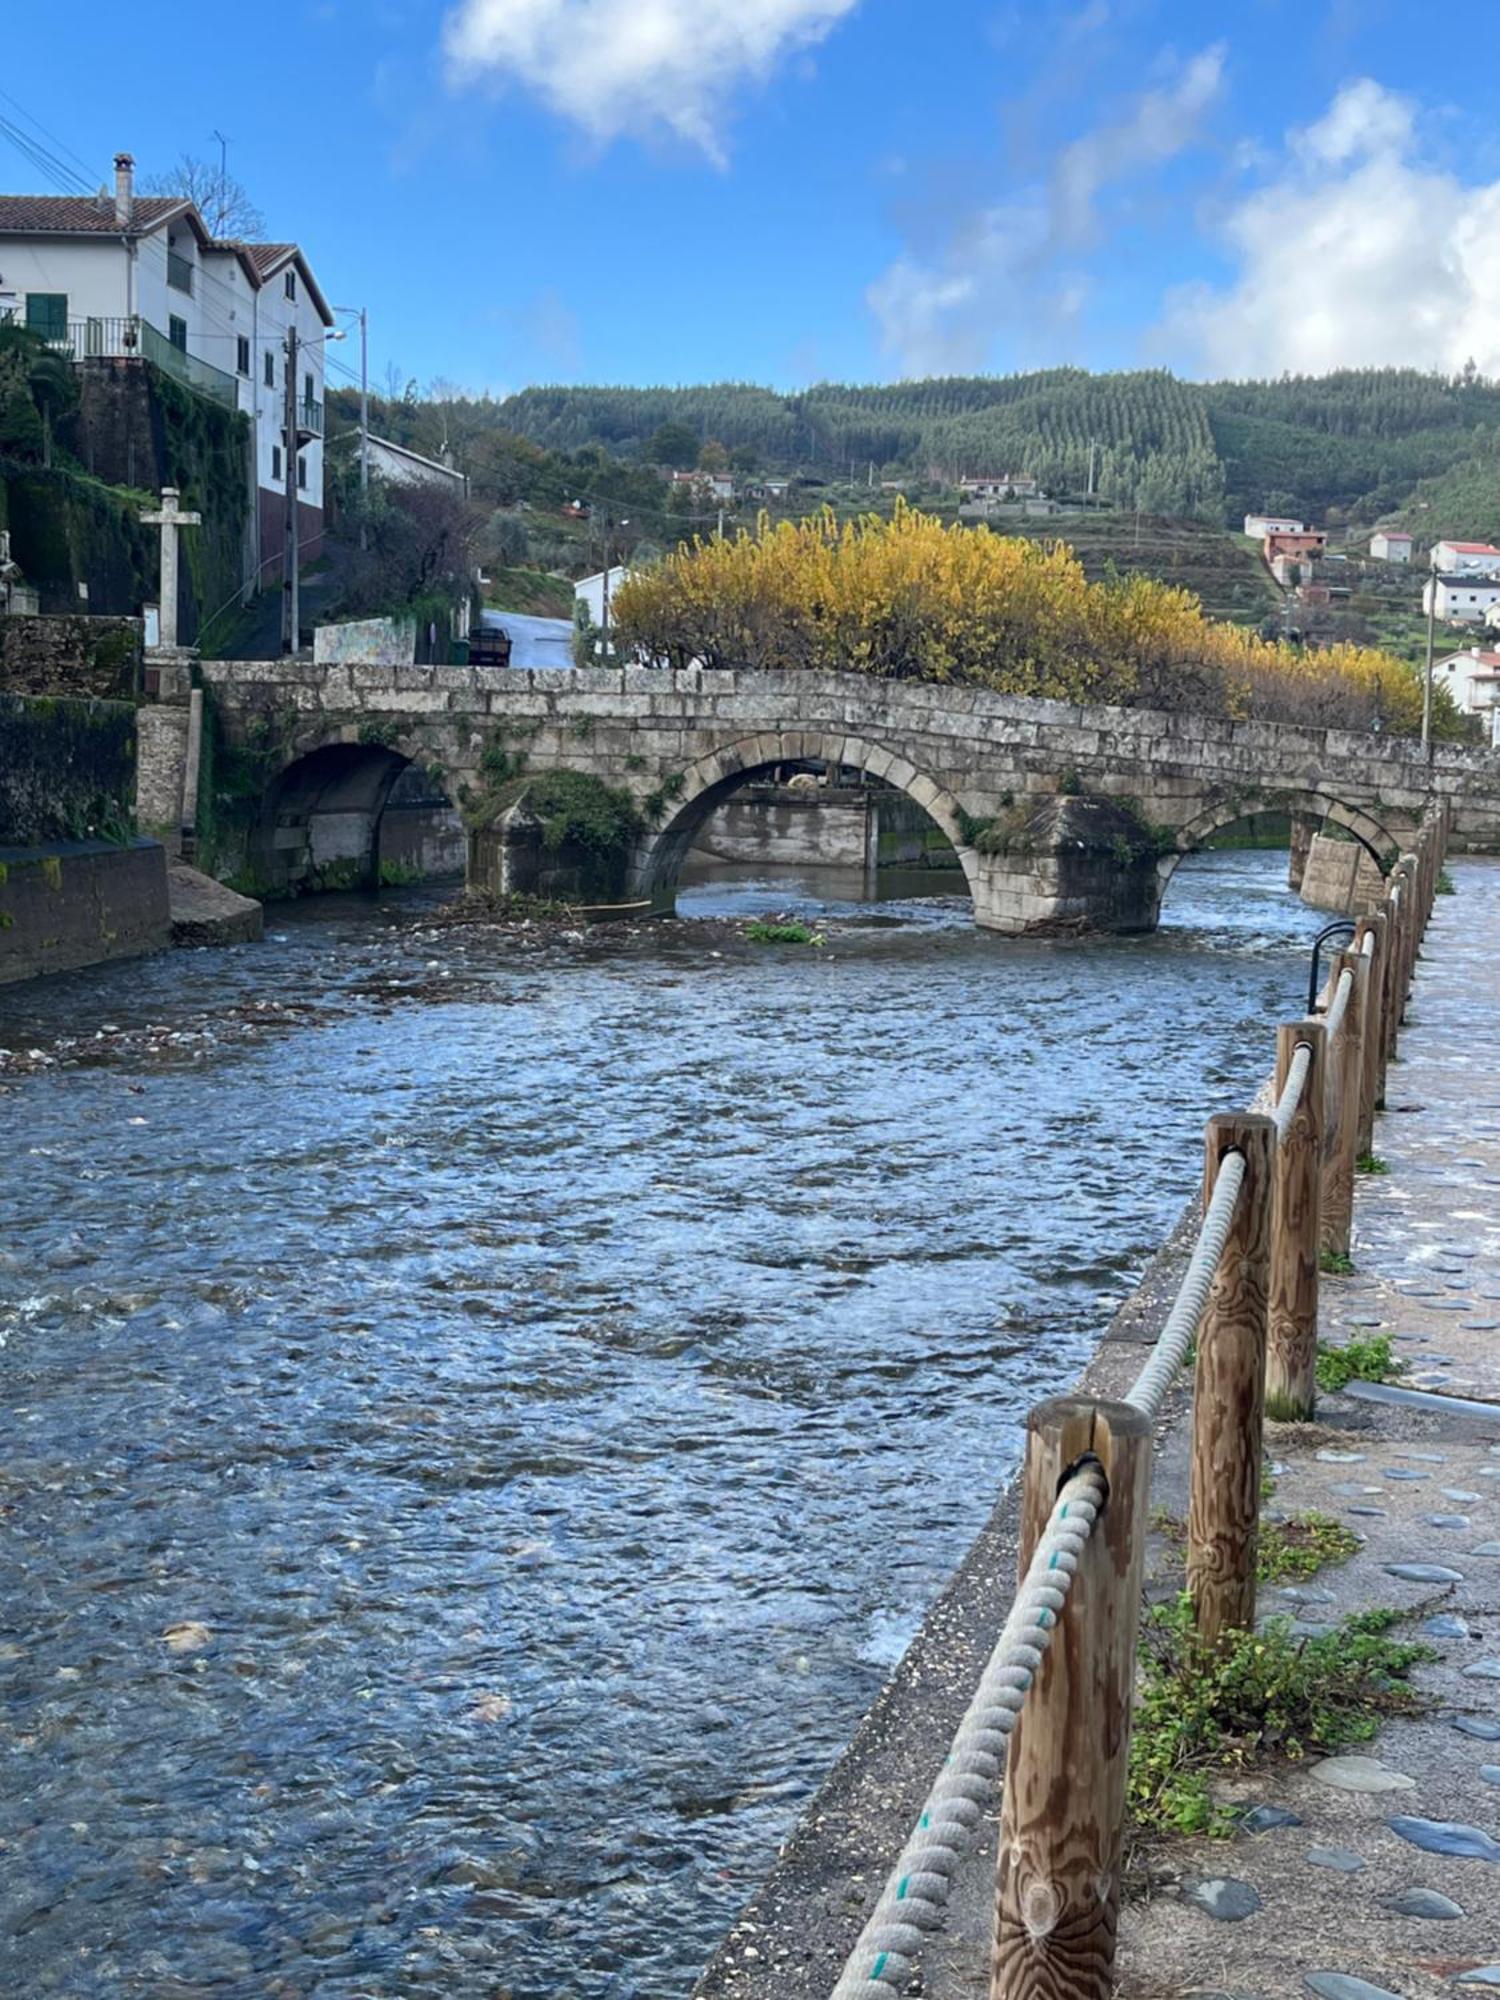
<point x="537" y="1385"/>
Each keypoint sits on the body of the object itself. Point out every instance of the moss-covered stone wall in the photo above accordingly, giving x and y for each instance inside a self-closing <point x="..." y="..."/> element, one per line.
<point x="99" y="657"/>
<point x="78" y="522"/>
<point x="67" y="770"/>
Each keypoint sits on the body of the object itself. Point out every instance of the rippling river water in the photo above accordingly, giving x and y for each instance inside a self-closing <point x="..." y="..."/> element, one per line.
<point x="557" y="1379"/>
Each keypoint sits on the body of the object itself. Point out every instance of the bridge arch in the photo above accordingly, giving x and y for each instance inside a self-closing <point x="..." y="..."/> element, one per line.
<point x="1378" y="841"/>
<point x="342" y="812"/>
<point x="710" y="779"/>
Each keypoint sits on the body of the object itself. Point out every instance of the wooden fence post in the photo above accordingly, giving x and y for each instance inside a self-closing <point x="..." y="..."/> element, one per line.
<point x="1373" y="1037"/>
<point x="1390" y="1006"/>
<point x="1229" y="1390"/>
<point x="1292" y="1326"/>
<point x="1341" y="1123"/>
<point x="1058" y="1881"/>
<point x="1410" y="921"/>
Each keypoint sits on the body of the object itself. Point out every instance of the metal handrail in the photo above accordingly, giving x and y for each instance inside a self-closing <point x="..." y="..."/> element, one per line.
<point x="1339" y="925"/>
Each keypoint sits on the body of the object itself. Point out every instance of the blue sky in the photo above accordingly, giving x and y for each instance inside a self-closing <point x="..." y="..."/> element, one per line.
<point x="794" y="190"/>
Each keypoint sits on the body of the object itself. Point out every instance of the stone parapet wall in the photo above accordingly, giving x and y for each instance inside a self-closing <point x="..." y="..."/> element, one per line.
<point x="98" y="658"/>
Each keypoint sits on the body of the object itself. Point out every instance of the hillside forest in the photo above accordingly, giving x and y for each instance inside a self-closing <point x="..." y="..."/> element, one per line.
<point x="1347" y="449"/>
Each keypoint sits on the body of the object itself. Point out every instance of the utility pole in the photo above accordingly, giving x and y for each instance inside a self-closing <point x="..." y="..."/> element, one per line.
<point x="218" y="225"/>
<point x="290" y="608"/>
<point x="604" y="597"/>
<point x="1432" y="584"/>
<point x="1091" y="468"/>
<point x="364" y="405"/>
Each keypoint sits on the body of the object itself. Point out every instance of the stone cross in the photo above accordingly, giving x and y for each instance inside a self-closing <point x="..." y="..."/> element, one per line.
<point x="169" y="520"/>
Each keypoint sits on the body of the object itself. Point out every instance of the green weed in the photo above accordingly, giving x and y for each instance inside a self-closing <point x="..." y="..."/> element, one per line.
<point x="1203" y="1713"/>
<point x="1359" y="1361"/>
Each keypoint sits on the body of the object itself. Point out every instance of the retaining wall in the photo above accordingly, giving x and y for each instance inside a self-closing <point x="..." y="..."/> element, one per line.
<point x="76" y="903"/>
<point x="1341" y="876"/>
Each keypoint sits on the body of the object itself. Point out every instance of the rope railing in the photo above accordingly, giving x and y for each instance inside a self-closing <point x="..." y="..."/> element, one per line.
<point x="1338" y="1006"/>
<point x="1290" y="1100"/>
<point x="1278" y="1191"/>
<point x="916" y="1890"/>
<point x="1149" y="1390"/>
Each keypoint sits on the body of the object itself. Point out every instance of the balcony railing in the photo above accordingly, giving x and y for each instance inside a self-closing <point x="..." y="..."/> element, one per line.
<point x="188" y="369"/>
<point x="106" y="339"/>
<point x="179" y="273"/>
<point x="310" y="417"/>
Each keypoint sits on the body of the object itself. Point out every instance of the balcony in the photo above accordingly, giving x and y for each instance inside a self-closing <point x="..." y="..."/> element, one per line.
<point x="309" y="420"/>
<point x="187" y="369"/>
<point x="179" y="273"/>
<point x="106" y="339"/>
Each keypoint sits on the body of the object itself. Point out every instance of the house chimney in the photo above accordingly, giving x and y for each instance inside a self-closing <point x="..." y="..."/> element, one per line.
<point x="124" y="189"/>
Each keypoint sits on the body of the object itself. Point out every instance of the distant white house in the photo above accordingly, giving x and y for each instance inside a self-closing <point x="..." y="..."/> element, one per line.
<point x="1461" y="600"/>
<point x="1466" y="558"/>
<point x="122" y="277"/>
<point x="999" y="486"/>
<point x="1261" y="525"/>
<point x="1391" y="545"/>
<point x="717" y="486"/>
<point x="589" y="590"/>
<point x="402" y="466"/>
<point x="1472" y="677"/>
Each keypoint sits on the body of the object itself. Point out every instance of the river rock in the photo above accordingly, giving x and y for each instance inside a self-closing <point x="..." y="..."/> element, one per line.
<point x="1447" y="1836"/>
<point x="1424" y="1903"/>
<point x="1344" y="1986"/>
<point x="1229" y="1901"/>
<point x="1424" y="1573"/>
<point x="1361" y="1774"/>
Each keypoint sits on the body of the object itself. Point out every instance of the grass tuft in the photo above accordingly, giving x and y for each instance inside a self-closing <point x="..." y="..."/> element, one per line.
<point x="1265" y="1695"/>
<point x="1358" y="1361"/>
<point x="763" y="933"/>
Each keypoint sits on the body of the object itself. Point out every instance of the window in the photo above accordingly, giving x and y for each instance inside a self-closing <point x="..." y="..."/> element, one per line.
<point x="301" y="471"/>
<point x="47" y="314"/>
<point x="243" y="352"/>
<point x="276" y="461"/>
<point x="291" y="284"/>
<point x="307" y="389"/>
<point x="270" y="369"/>
<point x="177" y="332"/>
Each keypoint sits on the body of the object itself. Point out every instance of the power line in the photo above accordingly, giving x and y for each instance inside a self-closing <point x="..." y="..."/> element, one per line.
<point x="82" y="165"/>
<point x="62" y="177"/>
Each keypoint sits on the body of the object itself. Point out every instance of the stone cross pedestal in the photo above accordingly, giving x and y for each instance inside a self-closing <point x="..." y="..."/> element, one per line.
<point x="169" y="519"/>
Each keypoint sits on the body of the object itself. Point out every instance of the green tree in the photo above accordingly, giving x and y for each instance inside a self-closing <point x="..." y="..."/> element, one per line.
<point x="713" y="457"/>
<point x="674" y="445"/>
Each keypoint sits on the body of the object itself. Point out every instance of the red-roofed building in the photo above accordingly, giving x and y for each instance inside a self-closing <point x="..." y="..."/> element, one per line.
<point x="120" y="278"/>
<point x="1391" y="545"/>
<point x="1466" y="558"/>
<point x="1307" y="543"/>
<point x="1471" y="677"/>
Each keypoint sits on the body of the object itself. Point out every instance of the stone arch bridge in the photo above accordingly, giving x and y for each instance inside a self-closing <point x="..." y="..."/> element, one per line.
<point x="1062" y="816"/>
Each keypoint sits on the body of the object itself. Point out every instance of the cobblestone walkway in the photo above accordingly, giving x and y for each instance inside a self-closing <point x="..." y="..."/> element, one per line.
<point x="1378" y="1875"/>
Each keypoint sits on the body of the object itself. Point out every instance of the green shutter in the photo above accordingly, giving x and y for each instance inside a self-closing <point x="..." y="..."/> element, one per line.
<point x="47" y="314"/>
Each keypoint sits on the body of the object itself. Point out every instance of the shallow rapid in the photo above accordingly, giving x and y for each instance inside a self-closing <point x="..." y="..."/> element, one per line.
<point x="539" y="1390"/>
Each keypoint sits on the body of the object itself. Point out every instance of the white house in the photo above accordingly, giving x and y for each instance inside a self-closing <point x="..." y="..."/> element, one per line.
<point x="140" y="278"/>
<point x="589" y="590"/>
<point x="1466" y="558"/>
<point x="1471" y="677"/>
<point x="1462" y="600"/>
<point x="402" y="466"/>
<point x="1000" y="486"/>
<point x="1391" y="545"/>
<point x="1261" y="525"/>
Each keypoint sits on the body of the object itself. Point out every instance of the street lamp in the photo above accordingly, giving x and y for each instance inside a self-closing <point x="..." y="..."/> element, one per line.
<point x="1432" y="584"/>
<point x="364" y="400"/>
<point x="294" y="441"/>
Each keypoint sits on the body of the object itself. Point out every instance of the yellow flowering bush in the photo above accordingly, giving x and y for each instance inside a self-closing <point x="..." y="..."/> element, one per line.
<point x="909" y="598"/>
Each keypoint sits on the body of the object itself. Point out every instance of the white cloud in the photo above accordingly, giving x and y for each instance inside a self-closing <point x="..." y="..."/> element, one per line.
<point x="1356" y="253"/>
<point x="1007" y="261"/>
<point x="634" y="66"/>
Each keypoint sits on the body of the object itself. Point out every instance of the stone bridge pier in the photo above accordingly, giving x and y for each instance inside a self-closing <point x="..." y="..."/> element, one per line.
<point x="1062" y="816"/>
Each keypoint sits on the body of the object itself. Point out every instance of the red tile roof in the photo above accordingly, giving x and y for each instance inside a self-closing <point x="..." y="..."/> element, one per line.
<point x="1472" y="548"/>
<point x="83" y="214"/>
